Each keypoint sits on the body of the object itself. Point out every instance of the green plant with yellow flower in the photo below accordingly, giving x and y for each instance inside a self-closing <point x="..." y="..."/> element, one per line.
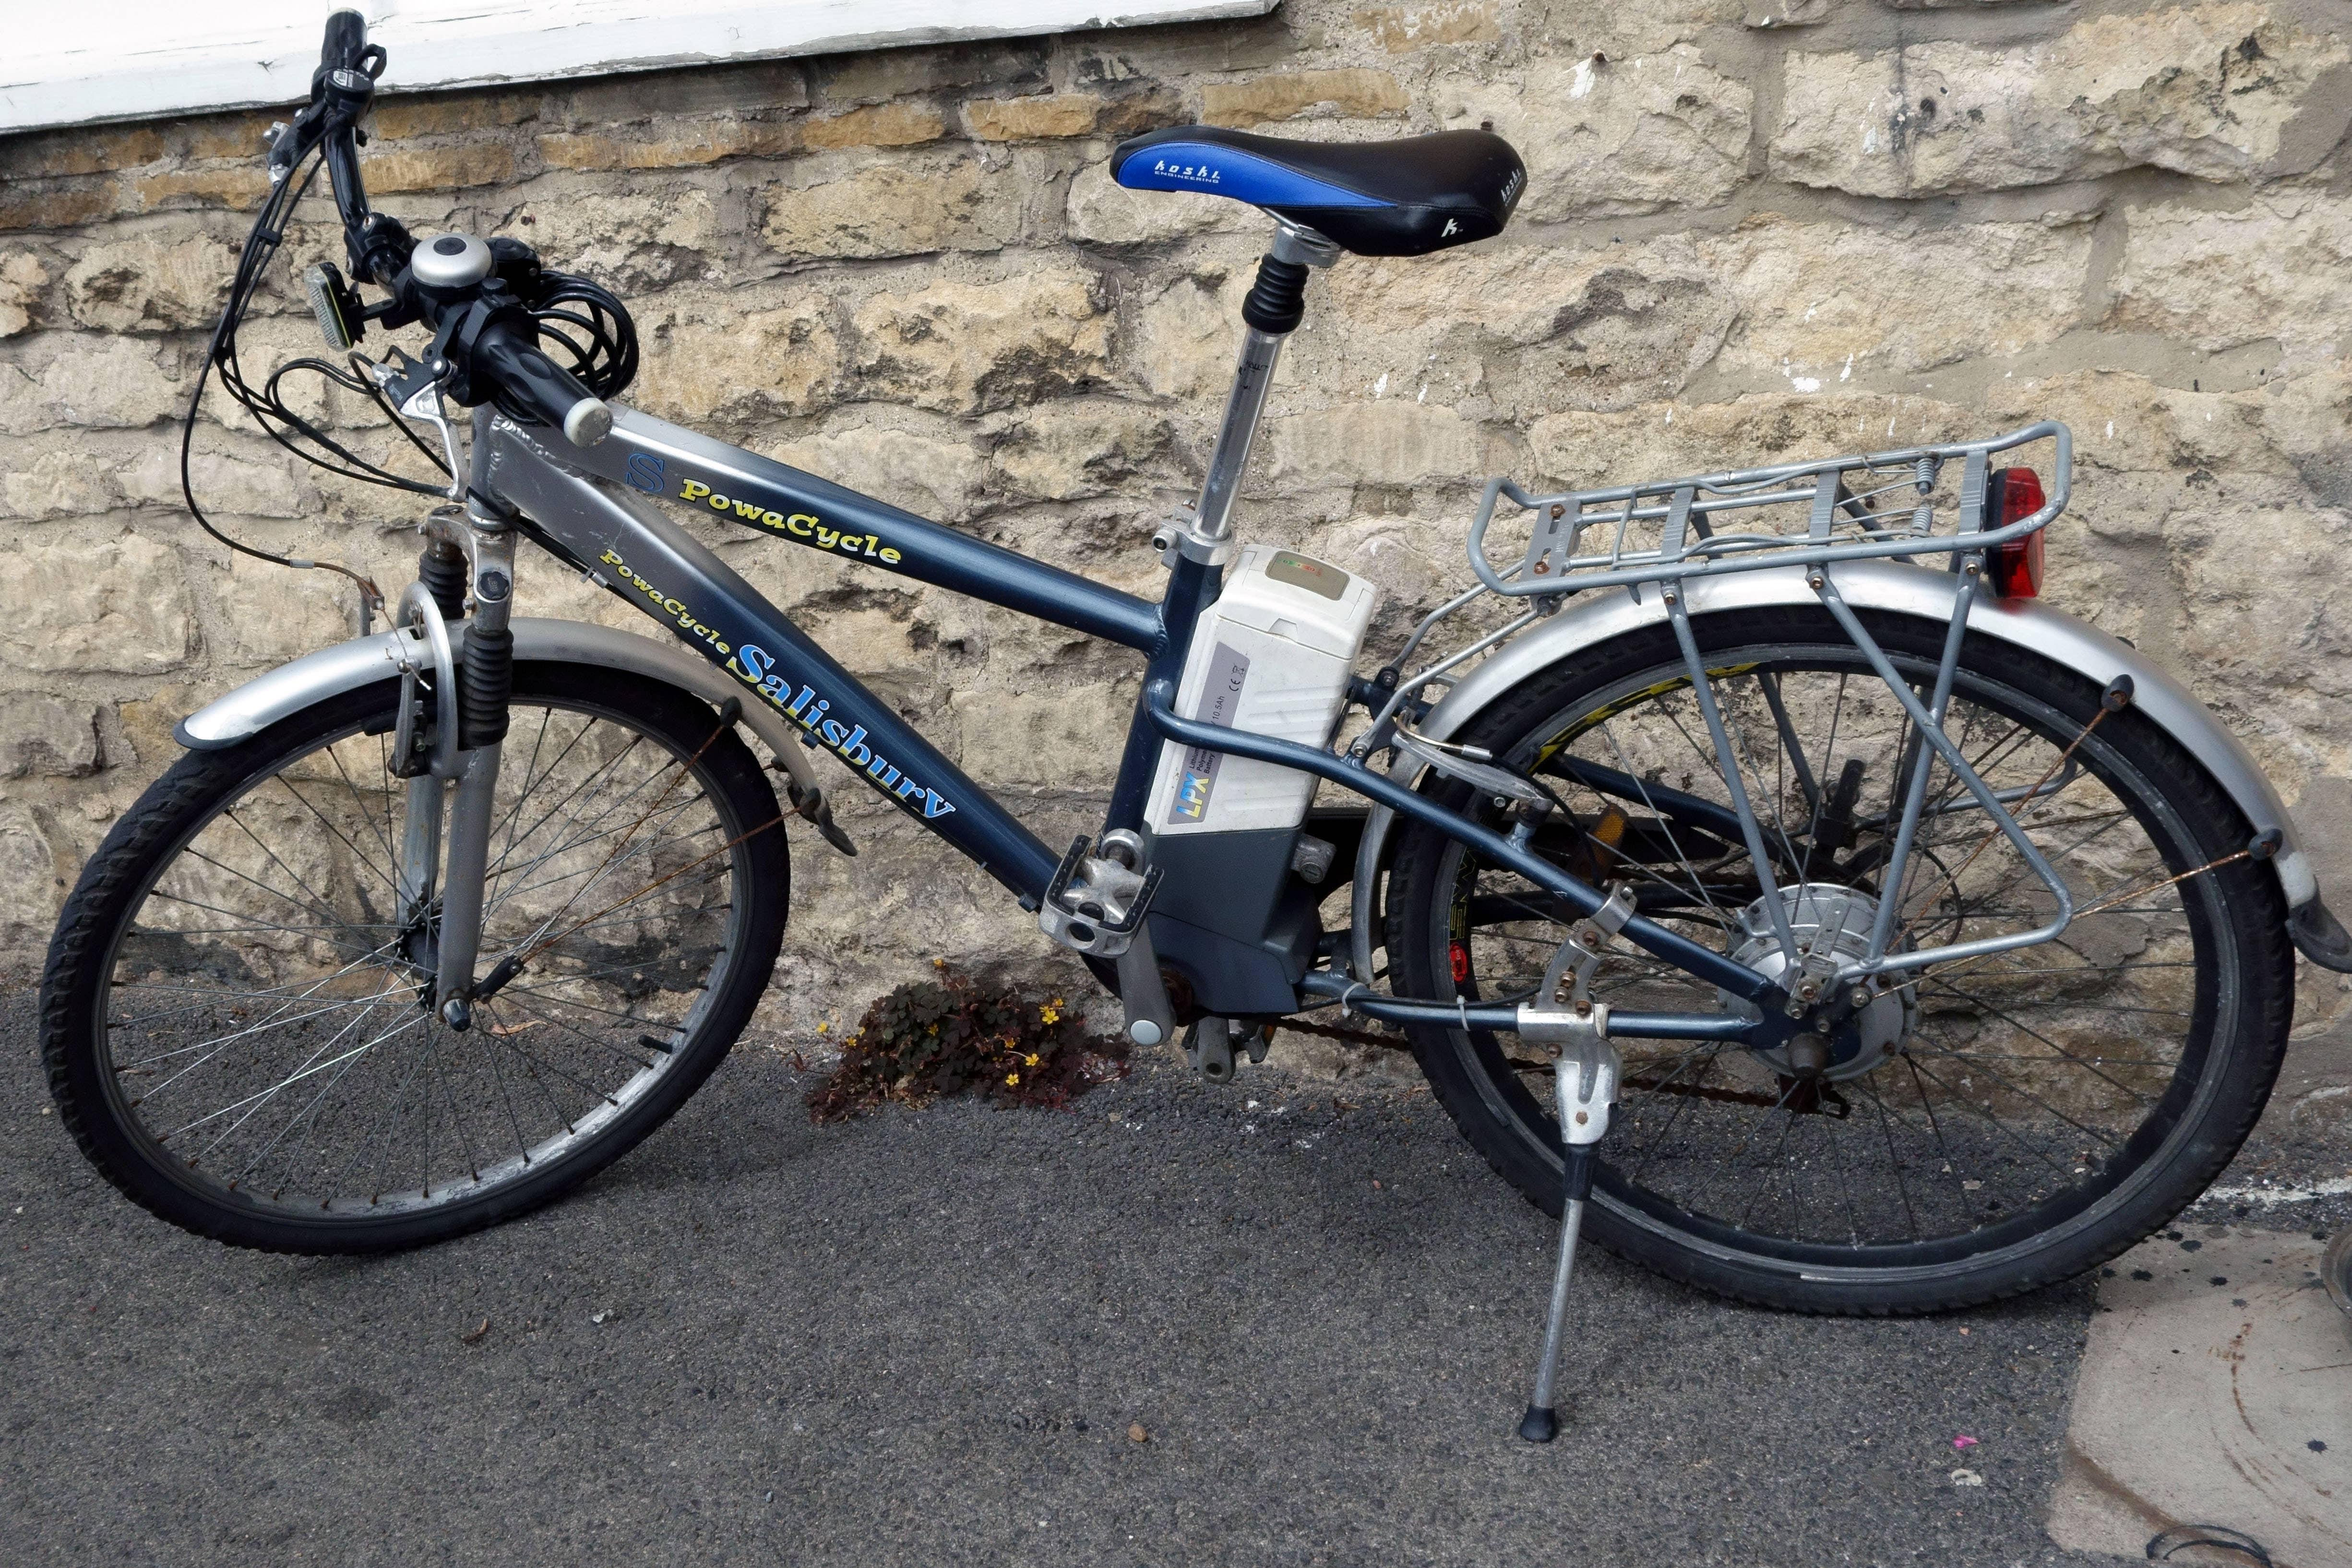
<point x="956" y="1035"/>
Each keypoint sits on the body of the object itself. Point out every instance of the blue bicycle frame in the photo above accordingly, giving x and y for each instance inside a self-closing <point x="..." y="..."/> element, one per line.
<point x="595" y="507"/>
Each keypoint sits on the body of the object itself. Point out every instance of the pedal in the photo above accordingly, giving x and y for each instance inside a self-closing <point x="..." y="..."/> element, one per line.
<point x="1094" y="903"/>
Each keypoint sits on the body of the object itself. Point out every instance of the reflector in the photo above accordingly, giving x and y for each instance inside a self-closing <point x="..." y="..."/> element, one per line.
<point x="2012" y="495"/>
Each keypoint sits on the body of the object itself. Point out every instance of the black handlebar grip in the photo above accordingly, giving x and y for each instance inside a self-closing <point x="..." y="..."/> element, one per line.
<point x="512" y="363"/>
<point x="346" y="37"/>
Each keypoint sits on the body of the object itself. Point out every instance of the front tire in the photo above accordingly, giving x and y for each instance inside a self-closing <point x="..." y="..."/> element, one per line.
<point x="2033" y="1114"/>
<point x="235" y="1021"/>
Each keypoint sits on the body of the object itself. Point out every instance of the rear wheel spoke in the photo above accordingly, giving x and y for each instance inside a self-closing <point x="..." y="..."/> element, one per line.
<point x="2061" y="1056"/>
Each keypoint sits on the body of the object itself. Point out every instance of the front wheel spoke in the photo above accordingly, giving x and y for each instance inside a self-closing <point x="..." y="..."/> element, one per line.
<point x="248" y="1032"/>
<point x="318" y="905"/>
<point x="305" y="1117"/>
<point x="582" y="795"/>
<point x="603" y="1045"/>
<point x="606" y="922"/>
<point x="634" y="851"/>
<point x="634" y="968"/>
<point x="283" y="1084"/>
<point x="506" y="1098"/>
<point x="679" y="881"/>
<point x="277" y="1019"/>
<point x="328" y="1044"/>
<point x="514" y="811"/>
<point x="148" y="1021"/>
<point x="555" y="999"/>
<point x="336" y="923"/>
<point x="358" y="856"/>
<point x="508" y="1041"/>
<point x="629" y="836"/>
<point x="562" y="1117"/>
<point x="391" y="856"/>
<point x="457" y="1118"/>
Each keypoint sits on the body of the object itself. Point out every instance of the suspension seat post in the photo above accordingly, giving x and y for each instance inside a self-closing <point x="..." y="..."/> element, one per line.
<point x="1271" y="312"/>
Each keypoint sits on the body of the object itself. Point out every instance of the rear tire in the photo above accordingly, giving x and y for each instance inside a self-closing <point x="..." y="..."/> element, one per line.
<point x="226" y="978"/>
<point x="2092" y="1087"/>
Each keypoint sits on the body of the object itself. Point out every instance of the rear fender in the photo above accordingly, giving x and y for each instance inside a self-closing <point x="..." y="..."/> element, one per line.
<point x="1886" y="585"/>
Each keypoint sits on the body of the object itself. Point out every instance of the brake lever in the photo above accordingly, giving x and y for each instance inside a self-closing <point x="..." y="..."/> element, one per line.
<point x="292" y="141"/>
<point x="415" y="387"/>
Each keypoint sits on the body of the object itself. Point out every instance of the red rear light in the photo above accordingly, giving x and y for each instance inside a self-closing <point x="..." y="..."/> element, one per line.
<point x="2013" y="495"/>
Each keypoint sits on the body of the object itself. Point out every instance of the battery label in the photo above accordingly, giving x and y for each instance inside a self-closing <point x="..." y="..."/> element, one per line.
<point x="1220" y="700"/>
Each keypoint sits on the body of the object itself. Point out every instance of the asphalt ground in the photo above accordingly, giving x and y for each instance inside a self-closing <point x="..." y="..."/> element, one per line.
<point x="928" y="1338"/>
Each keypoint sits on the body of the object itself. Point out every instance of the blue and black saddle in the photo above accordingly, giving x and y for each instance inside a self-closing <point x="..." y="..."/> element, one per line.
<point x="1405" y="197"/>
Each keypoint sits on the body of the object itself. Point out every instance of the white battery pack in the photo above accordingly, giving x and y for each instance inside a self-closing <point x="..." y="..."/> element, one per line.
<point x="1271" y="656"/>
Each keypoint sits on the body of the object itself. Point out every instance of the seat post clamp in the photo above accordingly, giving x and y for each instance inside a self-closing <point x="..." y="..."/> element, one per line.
<point x="1297" y="243"/>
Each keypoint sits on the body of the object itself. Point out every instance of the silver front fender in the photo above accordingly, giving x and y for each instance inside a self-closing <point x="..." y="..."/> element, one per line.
<point x="1886" y="585"/>
<point x="291" y="688"/>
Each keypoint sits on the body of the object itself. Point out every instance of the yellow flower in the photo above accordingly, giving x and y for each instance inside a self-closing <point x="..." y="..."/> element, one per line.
<point x="1030" y="1060"/>
<point x="1048" y="1014"/>
<point x="1012" y="1077"/>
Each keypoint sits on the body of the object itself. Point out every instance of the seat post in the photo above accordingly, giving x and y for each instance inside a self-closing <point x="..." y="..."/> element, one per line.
<point x="1270" y="312"/>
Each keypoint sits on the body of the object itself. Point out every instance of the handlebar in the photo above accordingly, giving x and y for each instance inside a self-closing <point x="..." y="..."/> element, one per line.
<point x="513" y="363"/>
<point x="480" y="325"/>
<point x="346" y="37"/>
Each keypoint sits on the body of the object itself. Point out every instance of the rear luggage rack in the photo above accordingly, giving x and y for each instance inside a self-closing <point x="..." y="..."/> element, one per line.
<point x="1873" y="507"/>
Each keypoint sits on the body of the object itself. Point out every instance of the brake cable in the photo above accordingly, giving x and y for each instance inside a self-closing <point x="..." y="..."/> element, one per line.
<point x="260" y="245"/>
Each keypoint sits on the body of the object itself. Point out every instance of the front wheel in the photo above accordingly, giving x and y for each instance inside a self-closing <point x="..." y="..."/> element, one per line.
<point x="237" y="1018"/>
<point x="1996" y="1124"/>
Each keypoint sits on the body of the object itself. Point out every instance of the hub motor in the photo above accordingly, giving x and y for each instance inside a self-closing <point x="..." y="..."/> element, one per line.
<point x="1831" y="926"/>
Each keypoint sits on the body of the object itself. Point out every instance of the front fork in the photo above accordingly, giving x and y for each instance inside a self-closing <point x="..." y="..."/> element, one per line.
<point x="483" y="677"/>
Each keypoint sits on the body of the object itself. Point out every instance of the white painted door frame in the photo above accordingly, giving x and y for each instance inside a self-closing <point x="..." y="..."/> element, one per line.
<point x="77" y="62"/>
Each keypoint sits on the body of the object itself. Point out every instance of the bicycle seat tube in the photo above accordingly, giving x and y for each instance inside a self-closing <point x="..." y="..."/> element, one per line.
<point x="1271" y="312"/>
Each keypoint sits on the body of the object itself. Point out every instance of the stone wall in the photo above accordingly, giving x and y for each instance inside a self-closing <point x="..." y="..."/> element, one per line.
<point x="1776" y="231"/>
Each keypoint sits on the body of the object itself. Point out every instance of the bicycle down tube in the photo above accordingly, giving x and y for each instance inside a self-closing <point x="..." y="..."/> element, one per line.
<point x="627" y="546"/>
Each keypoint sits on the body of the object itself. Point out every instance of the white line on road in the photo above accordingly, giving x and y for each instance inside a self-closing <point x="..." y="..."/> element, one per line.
<point x="2282" y="1193"/>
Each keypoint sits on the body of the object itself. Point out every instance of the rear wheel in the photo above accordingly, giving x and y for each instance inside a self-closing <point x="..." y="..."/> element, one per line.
<point x="2000" y="1122"/>
<point x="236" y="1023"/>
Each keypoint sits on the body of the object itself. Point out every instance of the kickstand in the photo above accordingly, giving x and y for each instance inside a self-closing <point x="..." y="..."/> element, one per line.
<point x="1585" y="1077"/>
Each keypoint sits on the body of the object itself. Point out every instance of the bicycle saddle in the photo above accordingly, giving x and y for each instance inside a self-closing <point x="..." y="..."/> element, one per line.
<point x="1405" y="197"/>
